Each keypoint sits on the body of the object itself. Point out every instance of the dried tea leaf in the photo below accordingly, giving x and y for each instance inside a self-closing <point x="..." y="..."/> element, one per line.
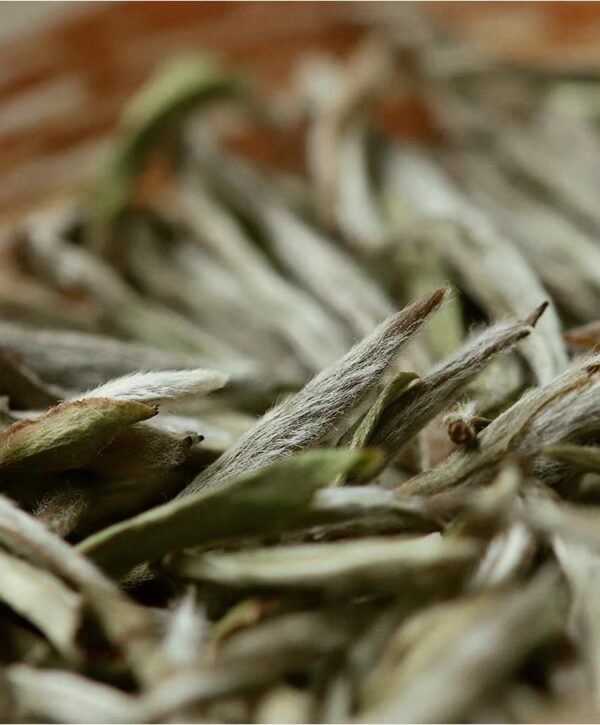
<point x="255" y="657"/>
<point x="309" y="256"/>
<point x="79" y="510"/>
<point x="559" y="411"/>
<point x="404" y="417"/>
<point x="586" y="457"/>
<point x="477" y="250"/>
<point x="78" y="360"/>
<point x="53" y="695"/>
<point x="142" y="449"/>
<point x="128" y="625"/>
<point x="359" y="435"/>
<point x="538" y="160"/>
<point x="285" y="704"/>
<point x="23" y="387"/>
<point x="362" y="433"/>
<point x="336" y="140"/>
<point x="459" y="651"/>
<point x="370" y="564"/>
<point x="246" y="613"/>
<point x="158" y="387"/>
<point x="582" y="569"/>
<point x="75" y="269"/>
<point x="184" y="82"/>
<point x="586" y="337"/>
<point x="254" y="503"/>
<point x="507" y="556"/>
<point x="577" y="524"/>
<point x="186" y="631"/>
<point x="368" y="500"/>
<point x="307" y="417"/>
<point x="62" y="509"/>
<point x="42" y="599"/>
<point x="315" y="336"/>
<point x="27" y="301"/>
<point x="563" y="255"/>
<point x="68" y="435"/>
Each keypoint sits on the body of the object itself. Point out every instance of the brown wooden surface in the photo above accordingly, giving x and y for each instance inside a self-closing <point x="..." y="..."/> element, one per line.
<point x="67" y="68"/>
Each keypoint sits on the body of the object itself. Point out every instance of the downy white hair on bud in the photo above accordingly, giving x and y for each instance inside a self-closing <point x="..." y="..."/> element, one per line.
<point x="303" y="420"/>
<point x="440" y="388"/>
<point x="158" y="386"/>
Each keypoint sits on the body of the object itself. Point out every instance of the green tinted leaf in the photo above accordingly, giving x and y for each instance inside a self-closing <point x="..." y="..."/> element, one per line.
<point x="361" y="435"/>
<point x="183" y="83"/>
<point x="258" y="502"/>
<point x="370" y="564"/>
<point x="68" y="435"/>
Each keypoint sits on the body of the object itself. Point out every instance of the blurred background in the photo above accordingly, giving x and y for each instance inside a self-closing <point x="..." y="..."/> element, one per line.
<point x="69" y="68"/>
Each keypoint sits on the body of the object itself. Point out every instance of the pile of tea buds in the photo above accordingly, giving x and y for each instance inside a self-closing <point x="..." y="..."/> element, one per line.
<point x="311" y="444"/>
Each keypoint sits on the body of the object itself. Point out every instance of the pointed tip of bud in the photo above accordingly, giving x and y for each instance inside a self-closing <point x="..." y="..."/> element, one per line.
<point x="537" y="313"/>
<point x="416" y="312"/>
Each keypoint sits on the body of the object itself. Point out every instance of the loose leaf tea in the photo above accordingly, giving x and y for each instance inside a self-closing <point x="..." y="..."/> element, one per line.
<point x="322" y="446"/>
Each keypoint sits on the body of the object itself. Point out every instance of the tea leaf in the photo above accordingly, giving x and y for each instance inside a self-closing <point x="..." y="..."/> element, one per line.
<point x="184" y="82"/>
<point x="315" y="335"/>
<point x="62" y="696"/>
<point x="68" y="435"/>
<point x="306" y="418"/>
<point x="582" y="569"/>
<point x="403" y="418"/>
<point x="42" y="599"/>
<point x="565" y="257"/>
<point x="361" y="435"/>
<point x="23" y="388"/>
<point x="253" y="658"/>
<point x="125" y="623"/>
<point x="79" y="360"/>
<point x="477" y="250"/>
<point x="586" y="337"/>
<point x="556" y="412"/>
<point x="441" y="644"/>
<point x="375" y="564"/>
<point x="186" y="631"/>
<point x="142" y="449"/>
<point x="586" y="457"/>
<point x="308" y="255"/>
<point x="158" y="387"/>
<point x="253" y="503"/>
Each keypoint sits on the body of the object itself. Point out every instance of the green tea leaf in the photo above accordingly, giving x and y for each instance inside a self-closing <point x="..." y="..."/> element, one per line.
<point x="361" y="435"/>
<point x="369" y="564"/>
<point x="183" y="83"/>
<point x="255" y="503"/>
<point x="68" y="435"/>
